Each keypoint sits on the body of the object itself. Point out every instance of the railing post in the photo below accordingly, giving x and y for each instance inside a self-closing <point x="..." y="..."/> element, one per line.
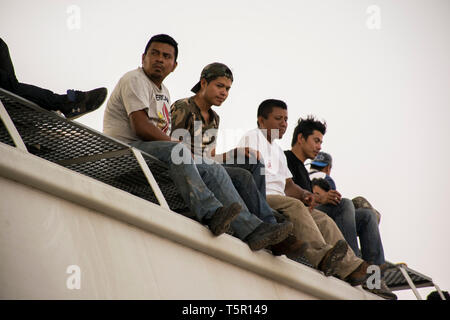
<point x="11" y="128"/>
<point x="151" y="180"/>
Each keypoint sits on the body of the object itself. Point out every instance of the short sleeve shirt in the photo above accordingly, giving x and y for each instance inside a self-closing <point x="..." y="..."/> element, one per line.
<point x="134" y="92"/>
<point x="299" y="172"/>
<point x="276" y="168"/>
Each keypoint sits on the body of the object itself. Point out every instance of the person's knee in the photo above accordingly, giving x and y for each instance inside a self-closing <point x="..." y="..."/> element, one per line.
<point x="346" y="203"/>
<point x="245" y="175"/>
<point x="366" y="215"/>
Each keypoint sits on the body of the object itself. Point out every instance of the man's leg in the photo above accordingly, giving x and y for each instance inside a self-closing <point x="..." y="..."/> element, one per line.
<point x="193" y="190"/>
<point x="73" y="104"/>
<point x="256" y="168"/>
<point x="344" y="216"/>
<point x="204" y="187"/>
<point x="331" y="233"/>
<point x="305" y="229"/>
<point x="245" y="185"/>
<point x="43" y="97"/>
<point x="369" y="236"/>
<point x="217" y="180"/>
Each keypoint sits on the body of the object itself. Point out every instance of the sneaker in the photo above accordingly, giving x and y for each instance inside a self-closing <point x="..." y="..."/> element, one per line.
<point x="268" y="234"/>
<point x="81" y="103"/>
<point x="383" y="291"/>
<point x="359" y="275"/>
<point x="221" y="220"/>
<point x="333" y="256"/>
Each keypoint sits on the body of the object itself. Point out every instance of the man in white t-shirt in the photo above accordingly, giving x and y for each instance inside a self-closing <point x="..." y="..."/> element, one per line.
<point x="137" y="113"/>
<point x="321" y="241"/>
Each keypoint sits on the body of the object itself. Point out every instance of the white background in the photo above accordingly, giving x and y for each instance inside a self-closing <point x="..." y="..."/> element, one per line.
<point x="385" y="93"/>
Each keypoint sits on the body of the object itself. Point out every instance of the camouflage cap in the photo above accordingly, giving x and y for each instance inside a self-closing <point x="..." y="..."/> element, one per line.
<point x="213" y="70"/>
<point x="322" y="159"/>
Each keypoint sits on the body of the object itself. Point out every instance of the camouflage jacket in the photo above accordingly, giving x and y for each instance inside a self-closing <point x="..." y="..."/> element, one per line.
<point x="187" y="115"/>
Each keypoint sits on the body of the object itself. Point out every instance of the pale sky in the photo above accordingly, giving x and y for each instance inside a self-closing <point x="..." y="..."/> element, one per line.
<point x="377" y="71"/>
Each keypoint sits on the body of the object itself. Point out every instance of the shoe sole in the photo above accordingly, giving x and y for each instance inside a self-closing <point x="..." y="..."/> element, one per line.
<point x="222" y="224"/>
<point x="339" y="252"/>
<point x="97" y="105"/>
<point x="275" y="237"/>
<point x="382" y="292"/>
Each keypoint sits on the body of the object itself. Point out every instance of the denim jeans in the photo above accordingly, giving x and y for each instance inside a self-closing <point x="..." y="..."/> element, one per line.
<point x="369" y="236"/>
<point x="344" y="216"/>
<point x="353" y="223"/>
<point x="251" y="186"/>
<point x="204" y="187"/>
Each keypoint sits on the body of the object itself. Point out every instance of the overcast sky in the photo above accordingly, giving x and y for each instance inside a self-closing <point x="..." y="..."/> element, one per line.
<point x="378" y="72"/>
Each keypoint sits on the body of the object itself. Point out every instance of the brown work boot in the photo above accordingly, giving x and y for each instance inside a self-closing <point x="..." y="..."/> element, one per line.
<point x="221" y="220"/>
<point x="285" y="246"/>
<point x="359" y="275"/>
<point x="268" y="234"/>
<point x="332" y="258"/>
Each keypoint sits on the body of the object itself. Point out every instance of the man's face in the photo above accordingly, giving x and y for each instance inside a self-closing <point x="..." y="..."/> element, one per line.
<point x="216" y="91"/>
<point x="318" y="191"/>
<point x="312" y="145"/>
<point x="277" y="120"/>
<point x="159" y="61"/>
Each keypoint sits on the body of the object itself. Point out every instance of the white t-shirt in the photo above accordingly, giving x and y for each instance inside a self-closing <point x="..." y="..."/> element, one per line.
<point x="276" y="168"/>
<point x="134" y="92"/>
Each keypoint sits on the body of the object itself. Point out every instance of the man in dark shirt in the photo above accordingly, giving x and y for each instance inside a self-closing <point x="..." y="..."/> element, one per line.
<point x="306" y="144"/>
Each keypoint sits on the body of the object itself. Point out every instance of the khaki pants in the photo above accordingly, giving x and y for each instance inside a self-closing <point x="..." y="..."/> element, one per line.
<point x="316" y="229"/>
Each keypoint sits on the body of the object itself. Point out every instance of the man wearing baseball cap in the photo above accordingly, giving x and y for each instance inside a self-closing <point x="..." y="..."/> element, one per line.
<point x="197" y="124"/>
<point x="321" y="168"/>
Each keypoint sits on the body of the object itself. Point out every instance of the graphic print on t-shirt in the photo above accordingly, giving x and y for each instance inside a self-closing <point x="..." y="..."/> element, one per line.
<point x="164" y="119"/>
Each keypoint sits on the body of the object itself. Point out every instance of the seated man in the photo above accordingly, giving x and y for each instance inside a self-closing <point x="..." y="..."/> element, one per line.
<point x="321" y="166"/>
<point x="306" y="144"/>
<point x="319" y="236"/>
<point x="341" y="210"/>
<point x="137" y="113"/>
<point x="197" y="123"/>
<point x="74" y="104"/>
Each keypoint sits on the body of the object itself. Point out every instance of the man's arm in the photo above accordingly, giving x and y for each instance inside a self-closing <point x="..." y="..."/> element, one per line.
<point x="295" y="191"/>
<point x="145" y="129"/>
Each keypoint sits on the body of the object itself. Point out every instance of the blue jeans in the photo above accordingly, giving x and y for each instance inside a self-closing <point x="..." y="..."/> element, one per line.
<point x="204" y="187"/>
<point x="369" y="236"/>
<point x="251" y="186"/>
<point x="360" y="223"/>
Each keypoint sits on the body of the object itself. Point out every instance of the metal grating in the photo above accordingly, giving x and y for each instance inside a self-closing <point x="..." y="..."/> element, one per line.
<point x="4" y="135"/>
<point x="85" y="151"/>
<point x="396" y="281"/>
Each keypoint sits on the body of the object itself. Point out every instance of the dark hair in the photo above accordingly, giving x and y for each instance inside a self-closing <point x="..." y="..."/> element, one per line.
<point x="306" y="128"/>
<point x="321" y="183"/>
<point x="265" y="108"/>
<point x="164" y="38"/>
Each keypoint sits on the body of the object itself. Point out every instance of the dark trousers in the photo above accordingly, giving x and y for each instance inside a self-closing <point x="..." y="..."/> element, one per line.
<point x="42" y="97"/>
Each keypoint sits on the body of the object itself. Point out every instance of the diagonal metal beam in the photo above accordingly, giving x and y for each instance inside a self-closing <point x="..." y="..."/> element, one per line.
<point x="148" y="174"/>
<point x="11" y="128"/>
